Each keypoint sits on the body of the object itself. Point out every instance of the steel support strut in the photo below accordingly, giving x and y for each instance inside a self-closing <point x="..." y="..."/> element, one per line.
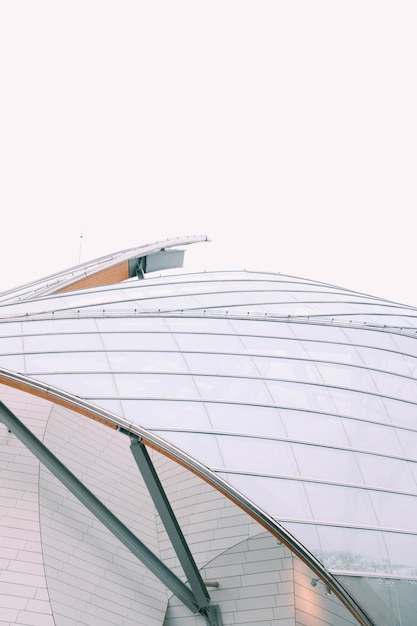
<point x="93" y="504"/>
<point x="167" y="515"/>
<point x="170" y="522"/>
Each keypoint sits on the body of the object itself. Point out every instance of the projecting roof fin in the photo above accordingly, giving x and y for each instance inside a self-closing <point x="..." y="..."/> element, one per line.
<point x="155" y="262"/>
<point x="108" y="270"/>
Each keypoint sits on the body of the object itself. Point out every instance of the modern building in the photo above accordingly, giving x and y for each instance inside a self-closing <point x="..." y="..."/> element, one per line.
<point x="214" y="448"/>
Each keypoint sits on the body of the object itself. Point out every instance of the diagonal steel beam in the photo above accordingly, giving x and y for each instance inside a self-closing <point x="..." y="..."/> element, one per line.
<point x="170" y="522"/>
<point x="93" y="504"/>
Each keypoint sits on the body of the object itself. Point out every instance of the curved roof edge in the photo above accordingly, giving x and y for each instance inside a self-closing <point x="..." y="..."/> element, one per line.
<point x="77" y="404"/>
<point x="106" y="270"/>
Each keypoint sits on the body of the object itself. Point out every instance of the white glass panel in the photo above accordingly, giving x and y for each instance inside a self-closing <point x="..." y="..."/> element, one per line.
<point x="408" y="442"/>
<point x="173" y="303"/>
<point x="62" y="342"/>
<point x="318" y="332"/>
<point x="387" y="361"/>
<point x="261" y="283"/>
<point x="8" y="329"/>
<point x="188" y="287"/>
<point x="396" y="386"/>
<point x="245" y="419"/>
<point x="114" y="406"/>
<point x="159" y="289"/>
<point x="209" y="343"/>
<point x="353" y="549"/>
<point x="146" y="361"/>
<point x="202" y="447"/>
<point x="344" y="505"/>
<point x="154" y="414"/>
<point x="267" y="292"/>
<point x="11" y="344"/>
<point x="401" y="413"/>
<point x="155" y="386"/>
<point x="96" y="297"/>
<point x="363" y="405"/>
<point x="372" y="437"/>
<point x="232" y="389"/>
<point x="346" y="376"/>
<point x="279" y="498"/>
<point x="199" y="325"/>
<point x="77" y="325"/>
<point x="220" y="364"/>
<point x="301" y="396"/>
<point x="269" y="346"/>
<point x="95" y="385"/>
<point x="224" y="299"/>
<point x="370" y="337"/>
<point x="177" y="278"/>
<point x="285" y="309"/>
<point x="67" y="362"/>
<point x="266" y="327"/>
<point x="138" y="341"/>
<point x="325" y="464"/>
<point x="394" y="510"/>
<point x="406" y="322"/>
<point x="402" y="550"/>
<point x="139" y="323"/>
<point x="385" y="600"/>
<point x="378" y="309"/>
<point x="320" y="294"/>
<point x="333" y="352"/>
<point x="305" y="534"/>
<point x="257" y="455"/>
<point x="287" y="369"/>
<point x="314" y="427"/>
<point x="407" y="346"/>
<point x="383" y="472"/>
<point x="386" y="320"/>
<point x="339" y="548"/>
<point x="27" y="307"/>
<point x="15" y="363"/>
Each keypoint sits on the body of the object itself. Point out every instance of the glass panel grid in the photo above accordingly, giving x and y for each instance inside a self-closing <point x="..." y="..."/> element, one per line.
<point x="311" y="419"/>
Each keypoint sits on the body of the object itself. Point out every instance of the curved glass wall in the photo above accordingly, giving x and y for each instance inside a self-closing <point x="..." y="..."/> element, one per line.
<point x="301" y="396"/>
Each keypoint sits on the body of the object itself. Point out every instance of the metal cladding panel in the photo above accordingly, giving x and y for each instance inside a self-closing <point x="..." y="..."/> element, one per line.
<point x="163" y="260"/>
<point x="300" y="396"/>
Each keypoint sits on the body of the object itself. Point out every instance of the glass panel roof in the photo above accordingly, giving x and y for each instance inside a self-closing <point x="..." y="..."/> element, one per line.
<point x="275" y="384"/>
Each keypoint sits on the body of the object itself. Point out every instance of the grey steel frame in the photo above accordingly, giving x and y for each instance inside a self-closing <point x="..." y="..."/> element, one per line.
<point x="167" y="515"/>
<point x="117" y="528"/>
<point x="169" y="520"/>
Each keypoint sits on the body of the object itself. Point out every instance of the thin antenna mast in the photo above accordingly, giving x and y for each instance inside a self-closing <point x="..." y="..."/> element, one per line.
<point x="79" y="253"/>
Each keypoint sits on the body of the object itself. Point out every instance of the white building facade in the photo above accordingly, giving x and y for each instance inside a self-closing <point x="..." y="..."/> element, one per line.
<point x="212" y="448"/>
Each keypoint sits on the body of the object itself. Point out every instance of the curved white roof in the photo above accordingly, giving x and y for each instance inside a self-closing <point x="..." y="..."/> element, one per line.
<point x="296" y="398"/>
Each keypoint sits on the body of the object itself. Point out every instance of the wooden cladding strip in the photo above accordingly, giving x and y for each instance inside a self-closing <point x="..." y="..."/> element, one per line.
<point x="109" y="276"/>
<point x="56" y="400"/>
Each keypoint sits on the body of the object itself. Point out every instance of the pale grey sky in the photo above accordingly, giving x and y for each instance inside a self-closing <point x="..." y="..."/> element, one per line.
<point x="286" y="131"/>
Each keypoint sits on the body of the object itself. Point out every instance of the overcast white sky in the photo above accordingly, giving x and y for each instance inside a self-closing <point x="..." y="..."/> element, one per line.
<point x="286" y="131"/>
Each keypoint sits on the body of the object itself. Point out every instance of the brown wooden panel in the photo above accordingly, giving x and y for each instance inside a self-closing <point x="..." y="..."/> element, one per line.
<point x="56" y="400"/>
<point x="108" y="276"/>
